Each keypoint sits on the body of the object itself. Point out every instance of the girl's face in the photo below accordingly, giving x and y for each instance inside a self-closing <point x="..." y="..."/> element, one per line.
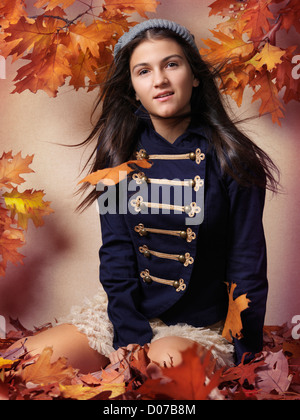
<point x="162" y="78"/>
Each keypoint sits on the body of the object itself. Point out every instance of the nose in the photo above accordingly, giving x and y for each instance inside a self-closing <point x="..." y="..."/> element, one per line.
<point x="159" y="79"/>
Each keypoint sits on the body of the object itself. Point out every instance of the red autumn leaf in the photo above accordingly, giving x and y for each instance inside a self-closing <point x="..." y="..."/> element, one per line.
<point x="188" y="381"/>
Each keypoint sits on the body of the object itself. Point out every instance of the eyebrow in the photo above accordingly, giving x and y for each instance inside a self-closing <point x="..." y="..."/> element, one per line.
<point x="162" y="61"/>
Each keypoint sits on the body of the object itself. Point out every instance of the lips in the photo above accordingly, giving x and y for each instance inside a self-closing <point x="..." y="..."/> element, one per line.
<point x="164" y="95"/>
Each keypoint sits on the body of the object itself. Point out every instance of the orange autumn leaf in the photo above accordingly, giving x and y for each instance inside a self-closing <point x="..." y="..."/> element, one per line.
<point x="233" y="324"/>
<point x="11" y="167"/>
<point x="267" y="92"/>
<point x="131" y="6"/>
<point x="43" y="372"/>
<point x="53" y="3"/>
<point x="112" y="176"/>
<point x="193" y="379"/>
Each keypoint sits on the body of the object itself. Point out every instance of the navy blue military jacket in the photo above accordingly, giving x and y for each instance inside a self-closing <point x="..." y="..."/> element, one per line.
<point x="179" y="232"/>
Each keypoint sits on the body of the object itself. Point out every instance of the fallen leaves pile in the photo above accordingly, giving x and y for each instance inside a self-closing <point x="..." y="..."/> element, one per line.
<point x="272" y="375"/>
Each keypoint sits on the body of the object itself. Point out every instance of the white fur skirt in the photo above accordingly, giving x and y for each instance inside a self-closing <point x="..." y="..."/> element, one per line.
<point x="91" y="319"/>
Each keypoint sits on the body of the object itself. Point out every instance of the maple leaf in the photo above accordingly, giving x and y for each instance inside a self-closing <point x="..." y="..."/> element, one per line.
<point x="43" y="372"/>
<point x="233" y="324"/>
<point x="131" y="6"/>
<point x="187" y="381"/>
<point x="112" y="176"/>
<point x="27" y="205"/>
<point x="11" y="167"/>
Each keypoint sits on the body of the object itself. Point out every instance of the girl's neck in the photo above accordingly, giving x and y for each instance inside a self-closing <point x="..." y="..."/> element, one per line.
<point x="170" y="129"/>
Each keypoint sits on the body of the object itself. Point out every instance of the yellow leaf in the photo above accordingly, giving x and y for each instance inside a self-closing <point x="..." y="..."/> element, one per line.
<point x="80" y="392"/>
<point x="269" y="56"/>
<point x="233" y="324"/>
<point x="6" y="363"/>
<point x="27" y="205"/>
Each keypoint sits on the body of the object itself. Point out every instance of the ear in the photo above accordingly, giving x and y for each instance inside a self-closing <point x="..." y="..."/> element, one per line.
<point x="136" y="97"/>
<point x="196" y="82"/>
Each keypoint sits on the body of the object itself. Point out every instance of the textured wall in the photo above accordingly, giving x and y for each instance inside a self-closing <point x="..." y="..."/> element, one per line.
<point x="61" y="265"/>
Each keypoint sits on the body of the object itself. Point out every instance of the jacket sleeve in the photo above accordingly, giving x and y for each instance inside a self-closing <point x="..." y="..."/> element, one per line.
<point x="247" y="263"/>
<point x="119" y="277"/>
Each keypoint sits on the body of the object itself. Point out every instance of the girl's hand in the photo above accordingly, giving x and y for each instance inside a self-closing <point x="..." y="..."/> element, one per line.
<point x="120" y="354"/>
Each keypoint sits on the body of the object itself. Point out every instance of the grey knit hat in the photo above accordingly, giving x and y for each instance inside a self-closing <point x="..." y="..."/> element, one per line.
<point x="155" y="23"/>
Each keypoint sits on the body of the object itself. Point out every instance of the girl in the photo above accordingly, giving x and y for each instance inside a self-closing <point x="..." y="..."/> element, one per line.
<point x="182" y="226"/>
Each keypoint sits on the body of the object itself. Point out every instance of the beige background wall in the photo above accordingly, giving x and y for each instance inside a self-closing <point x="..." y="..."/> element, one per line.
<point x="61" y="265"/>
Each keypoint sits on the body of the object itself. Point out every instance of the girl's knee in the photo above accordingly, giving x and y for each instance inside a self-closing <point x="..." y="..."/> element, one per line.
<point x="167" y="351"/>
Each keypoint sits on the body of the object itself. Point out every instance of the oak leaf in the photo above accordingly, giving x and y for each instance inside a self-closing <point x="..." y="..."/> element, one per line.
<point x="275" y="374"/>
<point x="131" y="6"/>
<point x="27" y="205"/>
<point x="268" y="94"/>
<point x="43" y="372"/>
<point x="53" y="3"/>
<point x="269" y="56"/>
<point x="11" y="167"/>
<point x="81" y="392"/>
<point x="233" y="324"/>
<point x="187" y="381"/>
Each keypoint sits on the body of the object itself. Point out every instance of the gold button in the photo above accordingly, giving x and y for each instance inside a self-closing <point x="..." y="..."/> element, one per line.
<point x="192" y="156"/>
<point x="183" y="234"/>
<point x="144" y="179"/>
<point x="143" y="232"/>
<point x="187" y="209"/>
<point x="192" y="183"/>
<point x="147" y="253"/>
<point x="144" y="155"/>
<point x="148" y="279"/>
<point x="176" y="284"/>
<point x="181" y="259"/>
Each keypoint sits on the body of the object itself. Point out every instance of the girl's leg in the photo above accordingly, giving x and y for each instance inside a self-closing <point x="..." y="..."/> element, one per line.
<point x="66" y="341"/>
<point x="166" y="351"/>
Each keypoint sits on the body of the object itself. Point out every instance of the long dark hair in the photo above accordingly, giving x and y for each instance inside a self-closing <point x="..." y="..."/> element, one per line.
<point x="116" y="131"/>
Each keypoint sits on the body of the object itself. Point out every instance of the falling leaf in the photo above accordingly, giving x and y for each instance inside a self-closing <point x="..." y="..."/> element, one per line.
<point x="233" y="324"/>
<point x="112" y="176"/>
<point x="27" y="205"/>
<point x="11" y="167"/>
